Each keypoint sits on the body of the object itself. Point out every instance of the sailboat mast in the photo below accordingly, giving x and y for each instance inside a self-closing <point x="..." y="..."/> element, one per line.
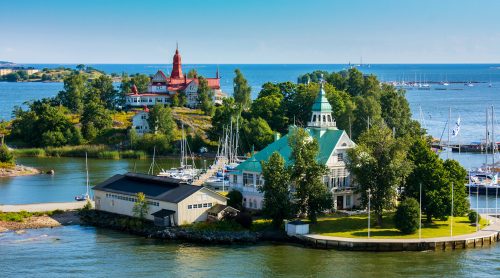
<point x="87" y="179"/>
<point x="493" y="141"/>
<point x="486" y="142"/>
<point x="448" y="147"/>
<point x="237" y="137"/>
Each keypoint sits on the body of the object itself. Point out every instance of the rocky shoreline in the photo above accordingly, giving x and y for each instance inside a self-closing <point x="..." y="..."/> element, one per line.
<point x="44" y="221"/>
<point x="18" y="170"/>
<point x="184" y="234"/>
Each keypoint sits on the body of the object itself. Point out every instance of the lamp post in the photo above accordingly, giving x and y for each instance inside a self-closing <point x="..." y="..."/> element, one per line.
<point x="369" y="203"/>
<point x="451" y="221"/>
<point x="420" y="214"/>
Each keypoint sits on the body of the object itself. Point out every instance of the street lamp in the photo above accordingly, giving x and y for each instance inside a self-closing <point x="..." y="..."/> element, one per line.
<point x="369" y="203"/>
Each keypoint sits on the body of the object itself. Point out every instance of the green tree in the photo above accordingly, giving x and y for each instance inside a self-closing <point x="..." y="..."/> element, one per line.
<point x="367" y="113"/>
<point x="242" y="90"/>
<point x="12" y="77"/>
<point x="44" y="125"/>
<point x="141" y="81"/>
<point x="355" y="82"/>
<point x="311" y="193"/>
<point x="140" y="209"/>
<point x="277" y="197"/>
<point x="205" y="96"/>
<point x="74" y="90"/>
<point x="256" y="132"/>
<point x="379" y="165"/>
<point x="235" y="199"/>
<point x="160" y="120"/>
<point x="192" y="73"/>
<point x="95" y="119"/>
<point x="396" y="111"/>
<point x="224" y="114"/>
<point x="269" y="108"/>
<point x="23" y="75"/>
<point x="102" y="87"/>
<point x="436" y="178"/>
<point x="407" y="218"/>
<point x="80" y="67"/>
<point x="6" y="156"/>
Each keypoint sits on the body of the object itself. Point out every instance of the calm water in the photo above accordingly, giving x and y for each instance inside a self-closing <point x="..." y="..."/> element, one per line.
<point x="75" y="251"/>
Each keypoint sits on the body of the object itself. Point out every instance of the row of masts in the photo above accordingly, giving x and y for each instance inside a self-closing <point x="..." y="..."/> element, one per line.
<point x="228" y="144"/>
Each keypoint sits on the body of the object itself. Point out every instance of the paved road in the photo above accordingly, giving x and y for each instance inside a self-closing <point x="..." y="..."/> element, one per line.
<point x="43" y="207"/>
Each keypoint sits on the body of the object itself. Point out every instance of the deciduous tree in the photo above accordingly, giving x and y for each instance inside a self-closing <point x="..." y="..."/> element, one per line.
<point x="277" y="197"/>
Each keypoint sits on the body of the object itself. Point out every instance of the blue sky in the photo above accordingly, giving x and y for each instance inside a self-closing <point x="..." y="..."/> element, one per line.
<point x="258" y="31"/>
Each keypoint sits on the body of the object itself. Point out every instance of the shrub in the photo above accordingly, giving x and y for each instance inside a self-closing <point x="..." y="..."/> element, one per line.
<point x="235" y="199"/>
<point x="406" y="217"/>
<point x="473" y="215"/>
<point x="6" y="155"/>
<point x="244" y="219"/>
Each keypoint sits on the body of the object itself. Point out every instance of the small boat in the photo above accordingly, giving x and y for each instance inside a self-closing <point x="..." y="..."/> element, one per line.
<point x="469" y="84"/>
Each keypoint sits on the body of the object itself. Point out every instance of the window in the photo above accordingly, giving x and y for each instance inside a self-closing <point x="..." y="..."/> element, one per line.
<point x="257" y="180"/>
<point x="200" y="206"/>
<point x="205" y="205"/>
<point x="348" y="201"/>
<point x="247" y="179"/>
<point x="209" y="205"/>
<point x="195" y="206"/>
<point x="324" y="118"/>
<point x="235" y="179"/>
<point x="314" y="118"/>
<point x="190" y="206"/>
<point x="340" y="157"/>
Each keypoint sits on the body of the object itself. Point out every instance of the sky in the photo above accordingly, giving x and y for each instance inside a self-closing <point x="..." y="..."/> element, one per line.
<point x="250" y="32"/>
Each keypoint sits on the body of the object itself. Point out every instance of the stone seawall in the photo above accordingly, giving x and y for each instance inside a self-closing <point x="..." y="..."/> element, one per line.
<point x="185" y="234"/>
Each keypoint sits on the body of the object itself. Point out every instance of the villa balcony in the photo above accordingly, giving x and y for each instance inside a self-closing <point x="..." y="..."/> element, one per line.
<point x="322" y="124"/>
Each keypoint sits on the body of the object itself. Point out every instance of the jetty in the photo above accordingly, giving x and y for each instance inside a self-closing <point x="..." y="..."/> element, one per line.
<point x="488" y="236"/>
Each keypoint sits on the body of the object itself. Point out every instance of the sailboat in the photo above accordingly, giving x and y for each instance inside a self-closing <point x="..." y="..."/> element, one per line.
<point x="485" y="178"/>
<point x="85" y="196"/>
<point x="186" y="172"/>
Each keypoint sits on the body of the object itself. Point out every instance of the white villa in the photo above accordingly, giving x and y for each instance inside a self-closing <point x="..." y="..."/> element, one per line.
<point x="170" y="202"/>
<point x="140" y="122"/>
<point x="333" y="144"/>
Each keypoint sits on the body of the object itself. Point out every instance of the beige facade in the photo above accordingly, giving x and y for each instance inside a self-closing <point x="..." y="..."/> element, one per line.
<point x="5" y="71"/>
<point x="191" y="209"/>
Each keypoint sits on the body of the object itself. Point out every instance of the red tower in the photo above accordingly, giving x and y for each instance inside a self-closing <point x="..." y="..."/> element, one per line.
<point x="177" y="66"/>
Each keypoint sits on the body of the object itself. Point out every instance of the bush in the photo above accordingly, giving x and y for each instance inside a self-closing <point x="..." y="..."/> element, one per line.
<point x="407" y="216"/>
<point x="235" y="199"/>
<point x="6" y="155"/>
<point x="244" y="219"/>
<point x="474" y="216"/>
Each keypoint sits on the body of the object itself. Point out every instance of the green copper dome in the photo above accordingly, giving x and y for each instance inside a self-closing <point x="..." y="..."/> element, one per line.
<point x="321" y="103"/>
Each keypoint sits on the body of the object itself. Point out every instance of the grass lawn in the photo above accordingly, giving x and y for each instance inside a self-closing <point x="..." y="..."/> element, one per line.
<point x="356" y="227"/>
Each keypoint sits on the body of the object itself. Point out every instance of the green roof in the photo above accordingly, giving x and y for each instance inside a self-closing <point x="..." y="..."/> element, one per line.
<point x="321" y="103"/>
<point x="327" y="139"/>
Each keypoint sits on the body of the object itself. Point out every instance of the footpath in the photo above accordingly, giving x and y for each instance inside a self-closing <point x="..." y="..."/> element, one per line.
<point x="40" y="207"/>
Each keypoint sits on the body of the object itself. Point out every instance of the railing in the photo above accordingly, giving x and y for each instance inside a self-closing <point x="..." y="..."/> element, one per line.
<point x="487" y="210"/>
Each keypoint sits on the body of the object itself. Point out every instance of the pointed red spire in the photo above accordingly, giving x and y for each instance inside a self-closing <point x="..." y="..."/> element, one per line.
<point x="134" y="90"/>
<point x="177" y="65"/>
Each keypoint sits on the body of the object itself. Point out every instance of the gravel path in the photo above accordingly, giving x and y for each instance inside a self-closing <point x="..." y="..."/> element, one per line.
<point x="43" y="207"/>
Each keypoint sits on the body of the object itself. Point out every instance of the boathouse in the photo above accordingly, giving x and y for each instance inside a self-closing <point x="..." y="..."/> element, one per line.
<point x="333" y="146"/>
<point x="170" y="201"/>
